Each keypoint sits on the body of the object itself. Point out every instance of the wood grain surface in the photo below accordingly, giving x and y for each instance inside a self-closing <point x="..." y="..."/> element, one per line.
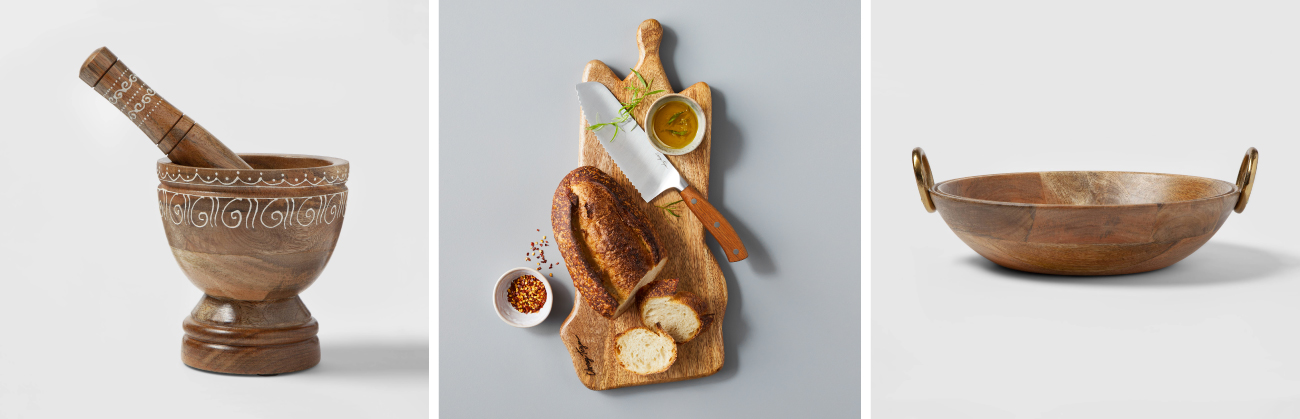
<point x="175" y="134"/>
<point x="250" y="337"/>
<point x="588" y="336"/>
<point x="1085" y="223"/>
<point x="252" y="240"/>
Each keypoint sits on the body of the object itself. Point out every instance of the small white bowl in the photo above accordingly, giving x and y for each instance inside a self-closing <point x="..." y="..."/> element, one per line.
<point x="507" y="312"/>
<point x="699" y="116"/>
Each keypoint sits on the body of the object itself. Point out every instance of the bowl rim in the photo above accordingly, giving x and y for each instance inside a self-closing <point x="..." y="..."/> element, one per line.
<point x="699" y="114"/>
<point x="334" y="162"/>
<point x="540" y="315"/>
<point x="935" y="190"/>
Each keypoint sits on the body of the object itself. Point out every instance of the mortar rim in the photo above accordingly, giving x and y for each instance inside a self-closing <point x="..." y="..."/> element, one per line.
<point x="334" y="173"/>
<point x="334" y="162"/>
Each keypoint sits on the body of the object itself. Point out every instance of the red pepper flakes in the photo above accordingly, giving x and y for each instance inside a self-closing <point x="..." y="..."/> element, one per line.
<point x="527" y="294"/>
<point x="537" y="254"/>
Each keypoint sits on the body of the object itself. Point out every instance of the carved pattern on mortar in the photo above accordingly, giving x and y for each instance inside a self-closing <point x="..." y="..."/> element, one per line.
<point x="303" y="179"/>
<point x="214" y="211"/>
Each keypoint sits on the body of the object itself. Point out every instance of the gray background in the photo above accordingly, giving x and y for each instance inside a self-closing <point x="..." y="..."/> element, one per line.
<point x="1154" y="86"/>
<point x="93" y="299"/>
<point x="785" y="172"/>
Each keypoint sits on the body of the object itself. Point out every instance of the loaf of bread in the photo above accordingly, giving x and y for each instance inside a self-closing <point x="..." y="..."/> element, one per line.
<point x="645" y="351"/>
<point x="680" y="313"/>
<point x="605" y="238"/>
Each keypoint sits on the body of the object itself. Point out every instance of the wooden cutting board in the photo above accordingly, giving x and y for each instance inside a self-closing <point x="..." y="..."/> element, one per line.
<point x="590" y="337"/>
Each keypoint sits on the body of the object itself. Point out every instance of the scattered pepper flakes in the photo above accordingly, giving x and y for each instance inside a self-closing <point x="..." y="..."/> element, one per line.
<point x="537" y="252"/>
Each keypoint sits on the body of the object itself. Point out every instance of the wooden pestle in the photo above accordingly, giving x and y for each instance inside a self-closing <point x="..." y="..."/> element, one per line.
<point x="182" y="140"/>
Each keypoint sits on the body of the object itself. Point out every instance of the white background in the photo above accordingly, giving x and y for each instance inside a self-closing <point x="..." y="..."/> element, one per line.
<point x="90" y="323"/>
<point x="1171" y="87"/>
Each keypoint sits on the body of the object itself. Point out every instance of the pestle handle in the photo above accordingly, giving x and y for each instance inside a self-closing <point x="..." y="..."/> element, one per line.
<point x="182" y="140"/>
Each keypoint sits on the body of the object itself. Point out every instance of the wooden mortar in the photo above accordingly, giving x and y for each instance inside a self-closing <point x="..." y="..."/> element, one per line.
<point x="252" y="240"/>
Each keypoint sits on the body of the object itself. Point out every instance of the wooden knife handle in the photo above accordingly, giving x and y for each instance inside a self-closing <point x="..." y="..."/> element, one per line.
<point x="717" y="226"/>
<point x="182" y="140"/>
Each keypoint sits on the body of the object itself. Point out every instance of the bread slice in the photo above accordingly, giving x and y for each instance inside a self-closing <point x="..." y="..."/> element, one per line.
<point x="645" y="351"/>
<point x="608" y="243"/>
<point x="680" y="313"/>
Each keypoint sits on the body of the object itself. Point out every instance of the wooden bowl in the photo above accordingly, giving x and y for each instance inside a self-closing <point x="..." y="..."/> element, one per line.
<point x="1084" y="223"/>
<point x="252" y="240"/>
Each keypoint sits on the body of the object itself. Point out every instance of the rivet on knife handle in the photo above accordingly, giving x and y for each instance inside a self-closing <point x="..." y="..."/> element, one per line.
<point x="717" y="226"/>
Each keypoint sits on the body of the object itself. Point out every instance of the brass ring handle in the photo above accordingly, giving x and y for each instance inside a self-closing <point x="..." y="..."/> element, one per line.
<point x="1246" y="178"/>
<point x="925" y="180"/>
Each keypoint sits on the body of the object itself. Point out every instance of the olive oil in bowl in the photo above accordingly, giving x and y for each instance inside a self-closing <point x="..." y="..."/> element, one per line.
<point x="676" y="124"/>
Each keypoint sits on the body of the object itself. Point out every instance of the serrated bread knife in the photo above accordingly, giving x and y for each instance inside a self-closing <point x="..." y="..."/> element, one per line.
<point x="650" y="172"/>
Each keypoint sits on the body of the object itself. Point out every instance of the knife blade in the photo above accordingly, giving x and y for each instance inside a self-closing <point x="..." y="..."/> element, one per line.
<point x="648" y="169"/>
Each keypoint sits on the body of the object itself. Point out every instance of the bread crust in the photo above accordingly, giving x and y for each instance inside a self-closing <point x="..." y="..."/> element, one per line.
<point x="618" y="353"/>
<point x="695" y="303"/>
<point x="607" y="241"/>
<point x="661" y="287"/>
<point x="667" y="288"/>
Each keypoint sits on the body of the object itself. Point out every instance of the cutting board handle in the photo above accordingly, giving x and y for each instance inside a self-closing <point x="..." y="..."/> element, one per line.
<point x="648" y="36"/>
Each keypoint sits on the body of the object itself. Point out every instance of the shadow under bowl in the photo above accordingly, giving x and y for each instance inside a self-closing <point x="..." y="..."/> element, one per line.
<point x="1084" y="222"/>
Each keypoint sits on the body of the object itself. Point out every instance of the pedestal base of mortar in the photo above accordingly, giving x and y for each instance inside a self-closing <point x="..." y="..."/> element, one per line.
<point x="250" y="337"/>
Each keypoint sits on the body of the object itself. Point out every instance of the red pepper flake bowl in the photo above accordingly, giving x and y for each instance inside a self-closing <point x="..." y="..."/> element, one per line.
<point x="507" y="312"/>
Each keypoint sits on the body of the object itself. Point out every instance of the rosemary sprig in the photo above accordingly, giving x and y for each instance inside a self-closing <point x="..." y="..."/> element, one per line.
<point x="670" y="210"/>
<point x="597" y="127"/>
<point x="625" y="113"/>
<point x="674" y="117"/>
